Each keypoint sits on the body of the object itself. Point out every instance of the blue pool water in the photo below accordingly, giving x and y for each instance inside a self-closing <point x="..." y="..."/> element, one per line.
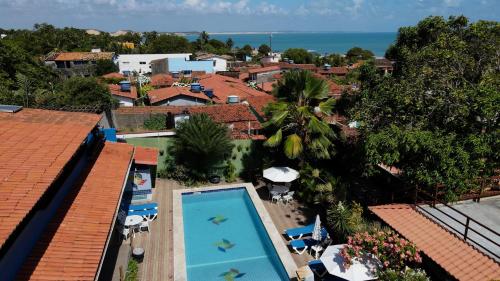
<point x="226" y="240"/>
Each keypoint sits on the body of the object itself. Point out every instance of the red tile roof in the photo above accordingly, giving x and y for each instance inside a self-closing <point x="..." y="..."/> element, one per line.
<point x="266" y="86"/>
<point x="84" y="56"/>
<point x="236" y="116"/>
<point x="310" y="67"/>
<point x="162" y="80"/>
<point x="264" y="69"/>
<point x="116" y="91"/>
<point x="146" y="155"/>
<point x="35" y="146"/>
<point x="163" y="94"/>
<point x="454" y="255"/>
<point x="337" y="70"/>
<point x="73" y="244"/>
<point x="259" y="103"/>
<point x="224" y="87"/>
<point x="113" y="75"/>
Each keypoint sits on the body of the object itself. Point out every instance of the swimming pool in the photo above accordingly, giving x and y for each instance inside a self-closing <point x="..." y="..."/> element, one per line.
<point x="225" y="238"/>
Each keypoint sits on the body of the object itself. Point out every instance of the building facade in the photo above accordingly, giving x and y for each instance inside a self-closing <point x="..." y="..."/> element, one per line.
<point x="141" y="63"/>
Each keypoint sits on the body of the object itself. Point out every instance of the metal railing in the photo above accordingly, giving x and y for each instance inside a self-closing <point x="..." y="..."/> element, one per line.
<point x="466" y="228"/>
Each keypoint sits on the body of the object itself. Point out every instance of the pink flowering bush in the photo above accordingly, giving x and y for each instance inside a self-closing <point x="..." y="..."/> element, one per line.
<point x="393" y="251"/>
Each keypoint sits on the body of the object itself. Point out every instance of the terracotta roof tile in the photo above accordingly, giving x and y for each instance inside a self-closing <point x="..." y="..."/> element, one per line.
<point x="458" y="258"/>
<point x="113" y="75"/>
<point x="237" y="116"/>
<point x="162" y="80"/>
<point x="36" y="145"/>
<point x="116" y="91"/>
<point x="73" y="244"/>
<point x="161" y="94"/>
<point x="264" y="69"/>
<point x="224" y="86"/>
<point x="146" y="155"/>
<point x="259" y="103"/>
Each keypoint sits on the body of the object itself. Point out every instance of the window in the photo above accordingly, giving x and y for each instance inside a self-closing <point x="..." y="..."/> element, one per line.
<point x="142" y="62"/>
<point x="126" y="62"/>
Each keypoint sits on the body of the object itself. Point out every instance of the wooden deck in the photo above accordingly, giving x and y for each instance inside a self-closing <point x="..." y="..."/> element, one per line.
<point x="158" y="260"/>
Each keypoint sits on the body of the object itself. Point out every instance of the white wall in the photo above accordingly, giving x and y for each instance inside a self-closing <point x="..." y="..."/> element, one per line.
<point x="124" y="101"/>
<point x="220" y="63"/>
<point x="141" y="63"/>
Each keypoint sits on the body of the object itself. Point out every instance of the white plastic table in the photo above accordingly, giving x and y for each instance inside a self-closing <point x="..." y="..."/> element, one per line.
<point x="133" y="220"/>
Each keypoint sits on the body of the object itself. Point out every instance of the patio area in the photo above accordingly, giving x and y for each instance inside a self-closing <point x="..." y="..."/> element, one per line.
<point x="158" y="259"/>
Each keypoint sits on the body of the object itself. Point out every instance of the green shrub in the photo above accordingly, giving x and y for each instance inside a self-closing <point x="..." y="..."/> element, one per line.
<point x="132" y="270"/>
<point x="157" y="122"/>
<point x="345" y="220"/>
<point x="230" y="172"/>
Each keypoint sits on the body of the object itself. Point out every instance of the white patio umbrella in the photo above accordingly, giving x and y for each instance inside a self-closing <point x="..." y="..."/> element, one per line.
<point x="280" y="174"/>
<point x="358" y="271"/>
<point x="316" y="235"/>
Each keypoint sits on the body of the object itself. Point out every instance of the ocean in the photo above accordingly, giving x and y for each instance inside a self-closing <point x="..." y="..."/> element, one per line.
<point x="321" y="42"/>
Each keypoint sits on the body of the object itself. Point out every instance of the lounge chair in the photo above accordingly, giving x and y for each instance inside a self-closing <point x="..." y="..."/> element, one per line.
<point x="143" y="207"/>
<point x="318" y="268"/>
<point x="147" y="214"/>
<point x="301" y="245"/>
<point x="299" y="232"/>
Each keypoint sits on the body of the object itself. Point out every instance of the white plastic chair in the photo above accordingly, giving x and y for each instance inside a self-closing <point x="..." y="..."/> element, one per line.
<point x="288" y="197"/>
<point x="276" y="198"/>
<point x="144" y="224"/>
<point x="125" y="233"/>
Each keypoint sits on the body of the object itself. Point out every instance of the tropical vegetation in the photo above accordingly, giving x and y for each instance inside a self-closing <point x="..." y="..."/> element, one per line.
<point x="201" y="146"/>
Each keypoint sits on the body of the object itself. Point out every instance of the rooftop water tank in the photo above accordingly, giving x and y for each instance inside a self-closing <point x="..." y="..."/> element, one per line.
<point x="233" y="99"/>
<point x="209" y="93"/>
<point x="195" y="87"/>
<point x="125" y="86"/>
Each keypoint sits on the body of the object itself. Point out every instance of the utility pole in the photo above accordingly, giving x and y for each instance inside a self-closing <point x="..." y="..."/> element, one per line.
<point x="271" y="42"/>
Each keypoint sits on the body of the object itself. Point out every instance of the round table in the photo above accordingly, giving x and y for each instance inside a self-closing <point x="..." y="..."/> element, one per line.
<point x="133" y="220"/>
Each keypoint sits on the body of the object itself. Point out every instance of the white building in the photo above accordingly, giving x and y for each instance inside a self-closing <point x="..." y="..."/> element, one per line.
<point x="220" y="63"/>
<point x="271" y="58"/>
<point x="141" y="63"/>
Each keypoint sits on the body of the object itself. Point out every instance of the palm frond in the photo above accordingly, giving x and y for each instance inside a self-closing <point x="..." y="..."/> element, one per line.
<point x="275" y="139"/>
<point x="293" y="146"/>
<point x="326" y="107"/>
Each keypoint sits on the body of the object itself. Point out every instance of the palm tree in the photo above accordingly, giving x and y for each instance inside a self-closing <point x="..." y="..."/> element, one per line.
<point x="296" y="117"/>
<point x="201" y="144"/>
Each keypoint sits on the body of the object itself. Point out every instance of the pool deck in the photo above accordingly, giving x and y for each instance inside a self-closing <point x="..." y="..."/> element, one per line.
<point x="158" y="262"/>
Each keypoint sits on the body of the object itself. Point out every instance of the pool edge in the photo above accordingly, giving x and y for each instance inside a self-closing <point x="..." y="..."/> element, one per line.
<point x="180" y="272"/>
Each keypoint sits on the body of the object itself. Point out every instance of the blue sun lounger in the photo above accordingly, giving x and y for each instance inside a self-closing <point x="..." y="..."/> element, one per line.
<point x="318" y="268"/>
<point x="143" y="207"/>
<point x="147" y="214"/>
<point x="298" y="232"/>
<point x="301" y="245"/>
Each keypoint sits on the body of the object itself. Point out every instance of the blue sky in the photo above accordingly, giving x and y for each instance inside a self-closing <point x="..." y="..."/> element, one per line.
<point x="238" y="15"/>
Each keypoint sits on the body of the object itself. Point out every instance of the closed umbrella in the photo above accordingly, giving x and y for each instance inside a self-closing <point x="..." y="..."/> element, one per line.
<point x="334" y="263"/>
<point x="280" y="174"/>
<point x="316" y="235"/>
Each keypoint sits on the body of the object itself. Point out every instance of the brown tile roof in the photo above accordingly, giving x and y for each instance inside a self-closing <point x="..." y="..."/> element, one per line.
<point x="113" y="75"/>
<point x="458" y="258"/>
<point x="236" y="116"/>
<point x="162" y="94"/>
<point x="224" y="87"/>
<point x="116" y="91"/>
<point x="266" y="86"/>
<point x="35" y="146"/>
<point x="337" y="70"/>
<point x="73" y="244"/>
<point x="384" y="63"/>
<point x="259" y="103"/>
<point x="264" y="69"/>
<point x="162" y="80"/>
<point x="311" y="67"/>
<point x="146" y="155"/>
<point x="84" y="56"/>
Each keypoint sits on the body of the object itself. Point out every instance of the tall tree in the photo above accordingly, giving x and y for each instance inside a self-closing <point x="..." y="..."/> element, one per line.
<point x="295" y="121"/>
<point x="229" y="43"/>
<point x="436" y="118"/>
<point x="356" y="53"/>
<point x="298" y="55"/>
<point x="201" y="144"/>
<point x="264" y="50"/>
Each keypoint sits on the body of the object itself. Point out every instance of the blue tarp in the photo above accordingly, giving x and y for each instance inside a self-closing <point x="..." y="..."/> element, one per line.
<point x="110" y="134"/>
